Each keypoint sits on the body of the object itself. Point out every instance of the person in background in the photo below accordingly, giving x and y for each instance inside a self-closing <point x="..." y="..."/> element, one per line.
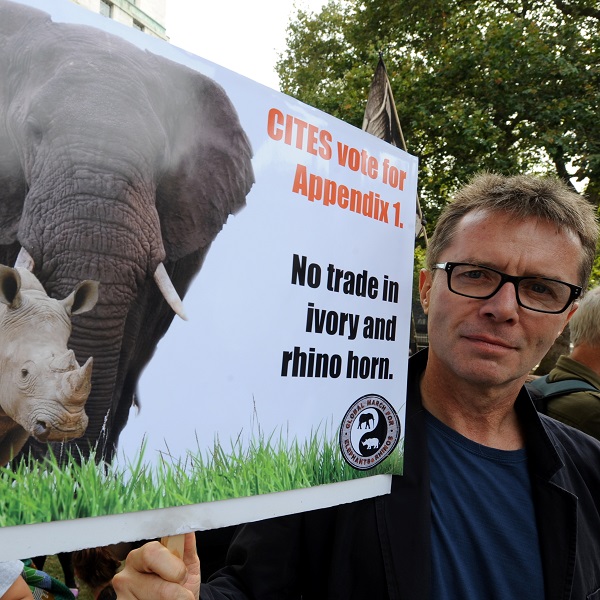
<point x="580" y="409"/>
<point x="21" y="580"/>
<point x="12" y="584"/>
<point x="65" y="560"/>
<point x="96" y="567"/>
<point x="496" y="500"/>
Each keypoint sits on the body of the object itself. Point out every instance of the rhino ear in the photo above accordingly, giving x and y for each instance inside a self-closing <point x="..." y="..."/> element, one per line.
<point x="82" y="298"/>
<point x="10" y="284"/>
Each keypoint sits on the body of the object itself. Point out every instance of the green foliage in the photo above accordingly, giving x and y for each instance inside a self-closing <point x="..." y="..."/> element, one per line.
<point x="595" y="277"/>
<point x="419" y="264"/>
<point x="502" y="85"/>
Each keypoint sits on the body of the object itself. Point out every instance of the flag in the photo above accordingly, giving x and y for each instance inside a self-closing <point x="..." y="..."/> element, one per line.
<point x="381" y="120"/>
<point x="381" y="117"/>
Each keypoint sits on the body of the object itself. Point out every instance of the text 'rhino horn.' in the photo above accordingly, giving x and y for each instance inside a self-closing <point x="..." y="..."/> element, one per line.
<point x="76" y="384"/>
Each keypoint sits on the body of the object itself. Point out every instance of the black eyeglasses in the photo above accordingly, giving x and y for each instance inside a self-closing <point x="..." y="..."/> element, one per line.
<point x="535" y="293"/>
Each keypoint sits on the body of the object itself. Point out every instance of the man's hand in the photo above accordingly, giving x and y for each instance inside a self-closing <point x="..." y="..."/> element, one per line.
<point x="153" y="573"/>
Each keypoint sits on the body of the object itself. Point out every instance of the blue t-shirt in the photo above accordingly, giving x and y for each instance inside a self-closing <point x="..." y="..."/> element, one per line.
<point x="484" y="540"/>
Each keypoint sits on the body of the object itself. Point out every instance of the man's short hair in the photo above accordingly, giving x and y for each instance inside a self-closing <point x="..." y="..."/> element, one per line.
<point x="585" y="322"/>
<point x="521" y="196"/>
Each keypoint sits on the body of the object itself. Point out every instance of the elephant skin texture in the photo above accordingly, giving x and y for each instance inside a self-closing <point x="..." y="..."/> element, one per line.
<point x="115" y="163"/>
<point x="42" y="388"/>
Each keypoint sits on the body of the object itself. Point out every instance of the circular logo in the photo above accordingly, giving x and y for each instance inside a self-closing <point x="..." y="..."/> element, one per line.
<point x="369" y="432"/>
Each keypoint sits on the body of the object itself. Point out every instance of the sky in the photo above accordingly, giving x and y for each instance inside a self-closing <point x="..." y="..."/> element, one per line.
<point x="248" y="43"/>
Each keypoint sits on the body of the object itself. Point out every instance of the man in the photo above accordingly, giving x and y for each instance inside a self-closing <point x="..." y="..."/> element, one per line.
<point x="496" y="501"/>
<point x="580" y="409"/>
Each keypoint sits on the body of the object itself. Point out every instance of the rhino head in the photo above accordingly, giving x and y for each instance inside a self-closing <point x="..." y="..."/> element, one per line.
<point x="43" y="389"/>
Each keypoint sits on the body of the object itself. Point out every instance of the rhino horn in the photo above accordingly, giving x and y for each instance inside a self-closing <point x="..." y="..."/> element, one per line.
<point x="78" y="383"/>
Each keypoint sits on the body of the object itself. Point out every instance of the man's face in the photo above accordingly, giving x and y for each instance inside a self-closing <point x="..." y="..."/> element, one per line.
<point x="496" y="341"/>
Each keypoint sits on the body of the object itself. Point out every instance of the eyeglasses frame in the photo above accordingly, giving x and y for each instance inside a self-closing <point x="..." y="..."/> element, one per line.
<point x="514" y="279"/>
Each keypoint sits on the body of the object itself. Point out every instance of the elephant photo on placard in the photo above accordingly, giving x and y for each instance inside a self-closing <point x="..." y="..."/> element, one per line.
<point x="119" y="166"/>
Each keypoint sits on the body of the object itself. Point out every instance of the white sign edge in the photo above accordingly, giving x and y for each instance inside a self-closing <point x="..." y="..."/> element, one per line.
<point x="23" y="541"/>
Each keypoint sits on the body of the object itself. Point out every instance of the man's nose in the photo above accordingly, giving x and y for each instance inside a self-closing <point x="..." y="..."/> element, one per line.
<point x="503" y="305"/>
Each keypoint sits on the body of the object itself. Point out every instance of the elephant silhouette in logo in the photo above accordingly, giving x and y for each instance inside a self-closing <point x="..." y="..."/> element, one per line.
<point x="366" y="419"/>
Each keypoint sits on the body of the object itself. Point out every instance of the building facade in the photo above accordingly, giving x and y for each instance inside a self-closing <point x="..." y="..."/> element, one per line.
<point x="146" y="15"/>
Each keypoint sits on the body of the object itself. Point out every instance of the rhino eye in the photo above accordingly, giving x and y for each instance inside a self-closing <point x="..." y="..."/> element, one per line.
<point x="24" y="373"/>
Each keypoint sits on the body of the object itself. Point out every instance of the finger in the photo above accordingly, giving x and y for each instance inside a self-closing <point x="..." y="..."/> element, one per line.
<point x="190" y="553"/>
<point x="152" y="573"/>
<point x="130" y="585"/>
<point x="192" y="563"/>
<point x="154" y="558"/>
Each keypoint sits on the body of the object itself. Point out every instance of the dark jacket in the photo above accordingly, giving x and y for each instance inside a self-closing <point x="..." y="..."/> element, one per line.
<point x="379" y="548"/>
<point x="578" y="409"/>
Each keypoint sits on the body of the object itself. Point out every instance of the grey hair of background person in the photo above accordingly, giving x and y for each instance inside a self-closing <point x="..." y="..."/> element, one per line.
<point x="521" y="196"/>
<point x="585" y="322"/>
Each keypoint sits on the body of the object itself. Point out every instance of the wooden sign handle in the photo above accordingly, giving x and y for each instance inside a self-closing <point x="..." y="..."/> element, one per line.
<point x="174" y="543"/>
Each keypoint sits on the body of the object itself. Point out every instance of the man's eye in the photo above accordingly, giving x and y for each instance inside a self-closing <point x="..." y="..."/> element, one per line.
<point x="540" y="288"/>
<point x="474" y="274"/>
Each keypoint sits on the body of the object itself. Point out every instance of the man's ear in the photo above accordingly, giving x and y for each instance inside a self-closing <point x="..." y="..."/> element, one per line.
<point x="424" y="288"/>
<point x="569" y="315"/>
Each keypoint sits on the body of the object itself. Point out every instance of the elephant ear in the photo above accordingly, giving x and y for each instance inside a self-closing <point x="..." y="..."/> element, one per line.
<point x="208" y="170"/>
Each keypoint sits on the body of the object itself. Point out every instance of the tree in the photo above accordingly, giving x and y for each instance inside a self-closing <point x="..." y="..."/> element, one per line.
<point x="504" y="85"/>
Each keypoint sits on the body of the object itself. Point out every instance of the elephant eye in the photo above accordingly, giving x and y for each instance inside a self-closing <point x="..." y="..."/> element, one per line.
<point x="35" y="130"/>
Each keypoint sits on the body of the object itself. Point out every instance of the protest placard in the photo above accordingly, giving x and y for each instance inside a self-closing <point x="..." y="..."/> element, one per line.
<point x="288" y="233"/>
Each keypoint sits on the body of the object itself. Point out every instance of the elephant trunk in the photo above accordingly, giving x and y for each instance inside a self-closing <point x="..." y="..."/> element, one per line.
<point x="111" y="236"/>
<point x="97" y="334"/>
<point x="96" y="339"/>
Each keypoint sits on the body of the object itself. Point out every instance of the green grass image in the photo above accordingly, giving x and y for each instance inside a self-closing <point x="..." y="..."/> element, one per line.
<point x="39" y="492"/>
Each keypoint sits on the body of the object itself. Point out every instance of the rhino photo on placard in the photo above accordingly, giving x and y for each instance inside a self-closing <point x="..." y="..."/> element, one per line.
<point x="44" y="390"/>
<point x="281" y="236"/>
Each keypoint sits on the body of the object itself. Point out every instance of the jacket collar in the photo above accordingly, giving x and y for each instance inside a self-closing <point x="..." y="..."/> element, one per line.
<point x="543" y="456"/>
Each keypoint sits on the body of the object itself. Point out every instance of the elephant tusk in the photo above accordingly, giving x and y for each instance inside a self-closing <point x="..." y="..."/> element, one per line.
<point x="24" y="260"/>
<point x="165" y="285"/>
